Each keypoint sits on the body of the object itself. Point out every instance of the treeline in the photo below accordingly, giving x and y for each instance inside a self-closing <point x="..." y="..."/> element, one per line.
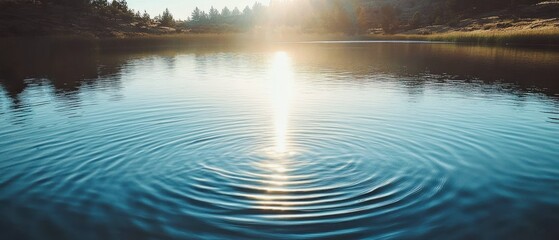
<point x="347" y="16"/>
<point x="320" y="16"/>
<point x="310" y="16"/>
<point x="108" y="9"/>
<point x="450" y="12"/>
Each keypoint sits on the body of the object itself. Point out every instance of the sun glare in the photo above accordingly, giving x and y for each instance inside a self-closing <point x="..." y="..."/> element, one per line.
<point x="281" y="88"/>
<point x="282" y="91"/>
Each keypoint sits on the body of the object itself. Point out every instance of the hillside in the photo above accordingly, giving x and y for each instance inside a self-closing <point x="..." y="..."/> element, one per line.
<point x="528" y="17"/>
<point x="29" y="18"/>
<point x="101" y="19"/>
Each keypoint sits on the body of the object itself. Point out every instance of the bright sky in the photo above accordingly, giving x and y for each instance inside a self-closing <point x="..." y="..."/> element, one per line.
<point x="182" y="8"/>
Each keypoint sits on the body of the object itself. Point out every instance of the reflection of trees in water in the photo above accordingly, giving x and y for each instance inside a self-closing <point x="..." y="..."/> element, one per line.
<point x="513" y="70"/>
<point x="414" y="87"/>
<point x="65" y="68"/>
<point x="68" y="67"/>
<point x="554" y="113"/>
<point x="170" y="62"/>
<point x="475" y="71"/>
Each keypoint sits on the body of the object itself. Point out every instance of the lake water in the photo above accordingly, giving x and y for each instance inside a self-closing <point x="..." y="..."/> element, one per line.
<point x="309" y="140"/>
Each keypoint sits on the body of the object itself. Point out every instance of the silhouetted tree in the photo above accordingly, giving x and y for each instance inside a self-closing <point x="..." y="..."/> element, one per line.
<point x="146" y="17"/>
<point x="225" y="12"/>
<point x="196" y="15"/>
<point x="167" y="19"/>
<point x="247" y="11"/>
<point x="120" y="5"/>
<point x="204" y="18"/>
<point x="99" y="3"/>
<point x="236" y="12"/>
<point x="213" y="15"/>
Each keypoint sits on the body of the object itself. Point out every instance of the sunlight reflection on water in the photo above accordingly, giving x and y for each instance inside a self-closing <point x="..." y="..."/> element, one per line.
<point x="281" y="89"/>
<point x="282" y="92"/>
<point x="290" y="141"/>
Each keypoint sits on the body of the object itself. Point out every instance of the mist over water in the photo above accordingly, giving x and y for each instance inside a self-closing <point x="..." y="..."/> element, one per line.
<point x="313" y="140"/>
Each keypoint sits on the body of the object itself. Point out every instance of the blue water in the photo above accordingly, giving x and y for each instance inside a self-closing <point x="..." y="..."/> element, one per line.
<point x="331" y="140"/>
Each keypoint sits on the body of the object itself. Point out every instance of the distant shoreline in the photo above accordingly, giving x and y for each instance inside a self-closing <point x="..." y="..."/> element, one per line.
<point x="548" y="37"/>
<point x="521" y="37"/>
<point x="533" y="25"/>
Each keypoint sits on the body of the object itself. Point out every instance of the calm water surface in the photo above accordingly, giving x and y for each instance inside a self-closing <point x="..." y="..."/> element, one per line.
<point x="289" y="140"/>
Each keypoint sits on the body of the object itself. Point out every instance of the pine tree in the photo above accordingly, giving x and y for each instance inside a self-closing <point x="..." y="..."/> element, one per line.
<point x="167" y="18"/>
<point x="225" y="12"/>
<point x="236" y="12"/>
<point x="213" y="15"/>
<point x="196" y="15"/>
<point x="145" y="17"/>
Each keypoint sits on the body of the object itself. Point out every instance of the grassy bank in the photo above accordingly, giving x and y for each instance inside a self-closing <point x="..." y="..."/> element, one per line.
<point x="548" y="37"/>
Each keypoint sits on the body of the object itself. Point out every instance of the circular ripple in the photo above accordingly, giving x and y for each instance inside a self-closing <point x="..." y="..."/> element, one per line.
<point x="334" y="177"/>
<point x="205" y="162"/>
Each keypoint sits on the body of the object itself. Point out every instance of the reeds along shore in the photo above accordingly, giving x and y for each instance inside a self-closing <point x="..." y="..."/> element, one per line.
<point x="545" y="37"/>
<point x="518" y="37"/>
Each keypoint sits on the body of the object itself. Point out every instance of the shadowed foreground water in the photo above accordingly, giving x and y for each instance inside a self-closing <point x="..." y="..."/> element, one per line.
<point x="288" y="140"/>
